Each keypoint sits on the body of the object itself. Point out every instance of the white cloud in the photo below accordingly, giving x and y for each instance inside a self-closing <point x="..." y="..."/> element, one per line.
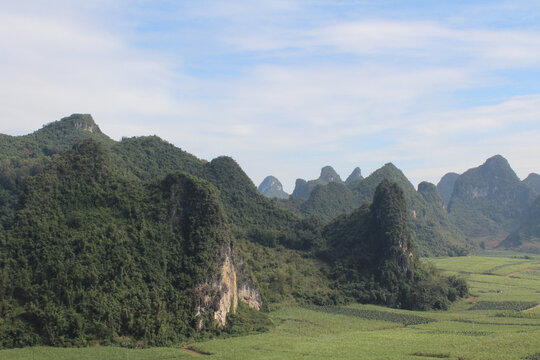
<point x="50" y="69"/>
<point x="344" y="93"/>
<point x="419" y="40"/>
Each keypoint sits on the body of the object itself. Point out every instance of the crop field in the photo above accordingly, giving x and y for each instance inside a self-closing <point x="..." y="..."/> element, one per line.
<point x="500" y="320"/>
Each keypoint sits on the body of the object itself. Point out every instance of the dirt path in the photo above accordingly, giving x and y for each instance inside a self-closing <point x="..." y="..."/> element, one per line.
<point x="523" y="270"/>
<point x="192" y="352"/>
<point x="531" y="309"/>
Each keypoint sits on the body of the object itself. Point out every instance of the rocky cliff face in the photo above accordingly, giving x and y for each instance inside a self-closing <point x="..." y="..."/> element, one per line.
<point x="221" y="293"/>
<point x="83" y="122"/>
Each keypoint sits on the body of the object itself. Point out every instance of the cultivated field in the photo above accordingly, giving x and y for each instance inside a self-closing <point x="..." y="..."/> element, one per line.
<point x="500" y="320"/>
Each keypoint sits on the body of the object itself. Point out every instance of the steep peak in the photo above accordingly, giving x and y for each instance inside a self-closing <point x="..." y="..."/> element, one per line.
<point x="390" y="166"/>
<point x="533" y="180"/>
<point x="426" y="187"/>
<point x="270" y="181"/>
<point x="430" y="193"/>
<point x="83" y="122"/>
<point x="328" y="174"/>
<point x="389" y="171"/>
<point x="497" y="167"/>
<point x="355" y="175"/>
<point x="272" y="187"/>
<point x="496" y="159"/>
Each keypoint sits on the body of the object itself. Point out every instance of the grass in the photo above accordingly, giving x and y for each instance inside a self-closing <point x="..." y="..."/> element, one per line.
<point x="373" y="332"/>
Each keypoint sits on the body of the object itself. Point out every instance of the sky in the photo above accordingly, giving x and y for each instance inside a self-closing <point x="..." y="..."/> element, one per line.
<point x="286" y="87"/>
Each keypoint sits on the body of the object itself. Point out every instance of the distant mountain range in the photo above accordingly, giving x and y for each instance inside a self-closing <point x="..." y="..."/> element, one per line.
<point x="484" y="204"/>
<point x="489" y="201"/>
<point x="329" y="197"/>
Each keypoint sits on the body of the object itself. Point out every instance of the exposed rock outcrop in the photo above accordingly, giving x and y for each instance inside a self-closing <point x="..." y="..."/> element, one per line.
<point x="272" y="188"/>
<point x="83" y="122"/>
<point x="232" y="283"/>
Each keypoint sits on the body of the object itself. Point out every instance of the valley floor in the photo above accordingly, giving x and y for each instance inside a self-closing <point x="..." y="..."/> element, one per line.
<point x="501" y="320"/>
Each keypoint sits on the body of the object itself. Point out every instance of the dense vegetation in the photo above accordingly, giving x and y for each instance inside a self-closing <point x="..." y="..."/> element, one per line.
<point x="303" y="188"/>
<point x="374" y="260"/>
<point x="24" y="156"/>
<point x="109" y="241"/>
<point x="369" y="331"/>
<point x="329" y="201"/>
<point x="427" y="218"/>
<point x="94" y="255"/>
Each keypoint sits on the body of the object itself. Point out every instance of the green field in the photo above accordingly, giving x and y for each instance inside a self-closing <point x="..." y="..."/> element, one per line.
<point x="488" y="325"/>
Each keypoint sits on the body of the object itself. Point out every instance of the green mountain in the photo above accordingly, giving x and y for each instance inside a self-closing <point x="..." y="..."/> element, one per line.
<point x="533" y="180"/>
<point x="355" y="175"/>
<point x="428" y="221"/>
<point x="329" y="201"/>
<point x="150" y="158"/>
<point x="25" y="156"/>
<point x="427" y="218"/>
<point x="489" y="201"/>
<point x="446" y="186"/>
<point x="527" y="236"/>
<point x="95" y="255"/>
<point x="138" y="242"/>
<point x="303" y="188"/>
<point x="374" y="259"/>
<point x="272" y="188"/>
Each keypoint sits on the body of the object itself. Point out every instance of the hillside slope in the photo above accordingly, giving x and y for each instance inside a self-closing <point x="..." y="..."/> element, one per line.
<point x="427" y="218"/>
<point x="489" y="201"/>
<point x="97" y="256"/>
<point x="527" y="236"/>
<point x="24" y="156"/>
<point x="374" y="257"/>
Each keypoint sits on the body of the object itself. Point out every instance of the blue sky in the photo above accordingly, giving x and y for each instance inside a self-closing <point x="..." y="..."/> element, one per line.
<point x="286" y="87"/>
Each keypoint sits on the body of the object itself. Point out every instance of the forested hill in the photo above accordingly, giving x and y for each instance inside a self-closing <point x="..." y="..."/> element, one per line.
<point x="95" y="255"/>
<point x="138" y="242"/>
<point x="25" y="156"/>
<point x="374" y="258"/>
<point x="427" y="218"/>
